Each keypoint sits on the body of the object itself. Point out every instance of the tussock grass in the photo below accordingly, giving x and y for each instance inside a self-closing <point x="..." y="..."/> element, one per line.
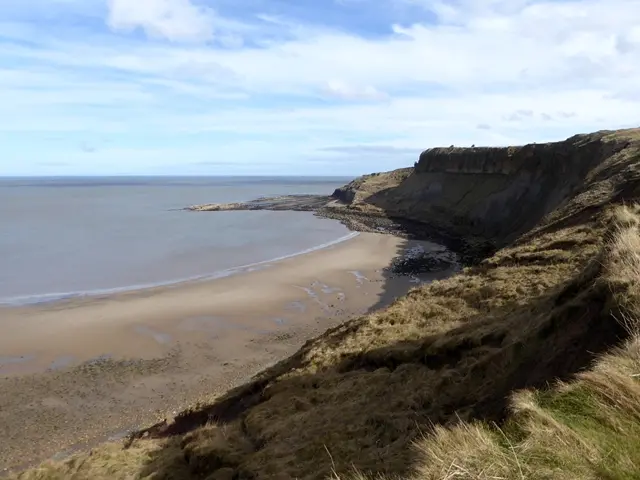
<point x="108" y="461"/>
<point x="587" y="428"/>
<point x="522" y="366"/>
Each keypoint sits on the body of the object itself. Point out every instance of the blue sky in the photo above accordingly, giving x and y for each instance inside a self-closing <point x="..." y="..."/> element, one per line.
<point x="344" y="87"/>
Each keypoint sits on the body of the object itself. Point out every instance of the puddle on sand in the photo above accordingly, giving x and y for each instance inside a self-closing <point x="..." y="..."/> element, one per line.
<point x="213" y="324"/>
<point x="161" y="338"/>
<point x="326" y="288"/>
<point x="61" y="362"/>
<point x="298" y="306"/>
<point x="280" y="321"/>
<point x="201" y="324"/>
<point x="8" y="361"/>
<point x="247" y="328"/>
<point x="15" y="364"/>
<point x="360" y="277"/>
<point x="310" y="293"/>
<point x="314" y="296"/>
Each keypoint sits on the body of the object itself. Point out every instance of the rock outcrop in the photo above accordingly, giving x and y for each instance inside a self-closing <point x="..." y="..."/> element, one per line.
<point x="493" y="194"/>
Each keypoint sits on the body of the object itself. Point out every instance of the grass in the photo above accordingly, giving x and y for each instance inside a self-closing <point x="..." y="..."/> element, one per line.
<point x="522" y="366"/>
<point x="587" y="428"/>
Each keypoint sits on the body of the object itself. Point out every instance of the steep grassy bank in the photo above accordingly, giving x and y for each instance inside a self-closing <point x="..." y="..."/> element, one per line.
<point x="584" y="428"/>
<point x="441" y="366"/>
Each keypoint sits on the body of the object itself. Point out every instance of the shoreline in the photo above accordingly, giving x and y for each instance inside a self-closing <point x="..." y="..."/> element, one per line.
<point x="363" y="217"/>
<point x="88" y="295"/>
<point x="76" y="371"/>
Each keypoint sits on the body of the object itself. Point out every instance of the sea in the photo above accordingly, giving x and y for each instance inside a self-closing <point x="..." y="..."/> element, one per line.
<point x="62" y="238"/>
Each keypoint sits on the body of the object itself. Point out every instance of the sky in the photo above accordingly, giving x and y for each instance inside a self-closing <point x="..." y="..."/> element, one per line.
<point x="302" y="87"/>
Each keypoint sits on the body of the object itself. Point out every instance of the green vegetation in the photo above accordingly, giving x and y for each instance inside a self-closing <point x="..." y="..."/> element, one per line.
<point x="523" y="366"/>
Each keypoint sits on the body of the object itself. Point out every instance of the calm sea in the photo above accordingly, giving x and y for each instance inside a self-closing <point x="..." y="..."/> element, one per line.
<point x="61" y="237"/>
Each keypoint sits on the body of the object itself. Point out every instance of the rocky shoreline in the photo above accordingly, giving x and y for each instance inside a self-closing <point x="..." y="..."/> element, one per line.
<point x="457" y="251"/>
<point x="299" y="203"/>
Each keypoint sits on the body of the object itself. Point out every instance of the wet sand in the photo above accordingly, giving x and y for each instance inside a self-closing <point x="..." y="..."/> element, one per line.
<point x="77" y="372"/>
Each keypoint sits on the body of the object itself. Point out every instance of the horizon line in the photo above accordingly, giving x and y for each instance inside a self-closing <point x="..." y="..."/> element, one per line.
<point x="152" y="175"/>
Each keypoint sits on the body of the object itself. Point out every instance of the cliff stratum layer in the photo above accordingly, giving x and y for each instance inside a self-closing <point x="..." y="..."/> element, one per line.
<point x="493" y="194"/>
<point x="524" y="365"/>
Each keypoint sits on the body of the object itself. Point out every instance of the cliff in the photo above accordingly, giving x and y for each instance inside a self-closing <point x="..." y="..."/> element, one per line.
<point x="522" y="366"/>
<point x="494" y="194"/>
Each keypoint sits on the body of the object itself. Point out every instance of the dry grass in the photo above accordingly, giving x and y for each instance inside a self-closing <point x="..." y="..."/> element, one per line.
<point x="440" y="369"/>
<point x="588" y="428"/>
<point x="109" y="461"/>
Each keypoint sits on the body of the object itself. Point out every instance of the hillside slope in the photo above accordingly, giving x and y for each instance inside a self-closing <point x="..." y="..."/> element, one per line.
<point x="496" y="194"/>
<point x="544" y="307"/>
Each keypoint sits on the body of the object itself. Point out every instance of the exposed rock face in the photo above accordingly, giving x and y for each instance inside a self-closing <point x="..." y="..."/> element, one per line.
<point x="361" y="188"/>
<point x="578" y="152"/>
<point x="345" y="194"/>
<point x="490" y="193"/>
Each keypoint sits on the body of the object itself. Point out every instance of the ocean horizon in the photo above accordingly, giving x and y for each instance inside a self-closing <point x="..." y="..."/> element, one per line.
<point x="70" y="236"/>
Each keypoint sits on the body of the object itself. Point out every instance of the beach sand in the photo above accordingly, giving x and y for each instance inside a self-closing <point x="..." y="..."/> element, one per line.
<point x="74" y="373"/>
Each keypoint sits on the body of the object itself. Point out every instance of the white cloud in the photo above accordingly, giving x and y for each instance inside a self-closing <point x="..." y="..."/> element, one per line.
<point x="527" y="49"/>
<point x="513" y="66"/>
<point x="177" y="20"/>
<point x="339" y="89"/>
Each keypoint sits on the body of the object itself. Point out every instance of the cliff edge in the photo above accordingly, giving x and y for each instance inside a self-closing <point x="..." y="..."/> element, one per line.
<point x="494" y="194"/>
<point x="524" y="365"/>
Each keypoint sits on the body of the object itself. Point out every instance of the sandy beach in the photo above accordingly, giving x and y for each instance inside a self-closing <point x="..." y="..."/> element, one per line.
<point x="77" y="372"/>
